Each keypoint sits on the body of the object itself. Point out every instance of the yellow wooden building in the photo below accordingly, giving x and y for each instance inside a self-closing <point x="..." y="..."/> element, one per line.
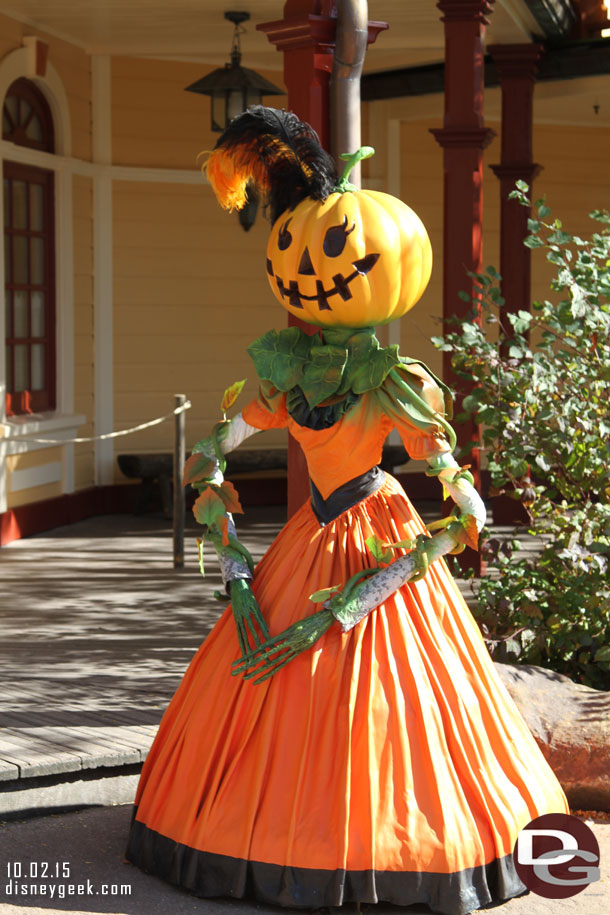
<point x="125" y="283"/>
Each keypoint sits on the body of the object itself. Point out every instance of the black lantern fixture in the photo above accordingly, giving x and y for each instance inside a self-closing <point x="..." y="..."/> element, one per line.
<point x="233" y="88"/>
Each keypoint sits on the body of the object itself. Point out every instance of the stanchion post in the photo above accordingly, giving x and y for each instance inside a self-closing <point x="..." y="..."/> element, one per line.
<point x="179" y="459"/>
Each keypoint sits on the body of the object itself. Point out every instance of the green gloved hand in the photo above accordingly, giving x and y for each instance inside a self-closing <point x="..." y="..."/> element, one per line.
<point x="275" y="653"/>
<point x="247" y="616"/>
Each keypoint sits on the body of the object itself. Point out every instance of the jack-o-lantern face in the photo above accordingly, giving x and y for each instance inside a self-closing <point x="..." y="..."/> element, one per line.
<point x="360" y="258"/>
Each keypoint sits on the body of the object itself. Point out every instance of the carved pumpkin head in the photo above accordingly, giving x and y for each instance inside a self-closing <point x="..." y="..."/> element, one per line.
<point x="337" y="256"/>
<point x="359" y="258"/>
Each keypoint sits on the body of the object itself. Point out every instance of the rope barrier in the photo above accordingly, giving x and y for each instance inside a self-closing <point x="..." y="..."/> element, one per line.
<point x="95" y="438"/>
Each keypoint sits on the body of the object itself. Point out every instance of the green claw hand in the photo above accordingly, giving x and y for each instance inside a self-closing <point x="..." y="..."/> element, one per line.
<point x="273" y="654"/>
<point x="247" y="616"/>
<point x="420" y="556"/>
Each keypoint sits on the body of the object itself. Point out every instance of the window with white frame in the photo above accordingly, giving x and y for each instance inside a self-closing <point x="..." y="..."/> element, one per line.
<point x="29" y="256"/>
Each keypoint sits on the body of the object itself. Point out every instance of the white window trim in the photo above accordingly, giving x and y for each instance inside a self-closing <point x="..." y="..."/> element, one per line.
<point x="63" y="423"/>
<point x="15" y="65"/>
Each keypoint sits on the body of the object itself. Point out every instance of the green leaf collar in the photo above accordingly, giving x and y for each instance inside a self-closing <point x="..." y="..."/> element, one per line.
<point x="344" y="360"/>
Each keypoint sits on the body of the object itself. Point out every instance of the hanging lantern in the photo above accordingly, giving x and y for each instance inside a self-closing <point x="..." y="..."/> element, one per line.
<point x="233" y="88"/>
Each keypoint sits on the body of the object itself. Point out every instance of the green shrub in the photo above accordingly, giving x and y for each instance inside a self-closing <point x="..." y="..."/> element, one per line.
<point x="542" y="397"/>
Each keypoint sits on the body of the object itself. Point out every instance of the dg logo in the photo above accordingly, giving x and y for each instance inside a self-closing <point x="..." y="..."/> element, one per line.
<point x="557" y="856"/>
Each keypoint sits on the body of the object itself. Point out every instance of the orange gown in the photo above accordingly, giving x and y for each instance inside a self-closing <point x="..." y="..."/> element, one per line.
<point x="387" y="764"/>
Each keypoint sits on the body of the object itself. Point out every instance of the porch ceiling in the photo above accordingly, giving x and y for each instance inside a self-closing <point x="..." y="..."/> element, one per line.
<point x="197" y="30"/>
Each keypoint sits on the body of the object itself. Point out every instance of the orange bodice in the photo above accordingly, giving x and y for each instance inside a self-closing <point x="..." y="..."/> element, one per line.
<point x="353" y="444"/>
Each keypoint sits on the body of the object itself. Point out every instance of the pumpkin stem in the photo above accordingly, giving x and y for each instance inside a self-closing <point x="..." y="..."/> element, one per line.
<point x="365" y="152"/>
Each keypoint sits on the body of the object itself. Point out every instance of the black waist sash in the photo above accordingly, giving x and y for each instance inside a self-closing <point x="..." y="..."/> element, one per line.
<point x="352" y="492"/>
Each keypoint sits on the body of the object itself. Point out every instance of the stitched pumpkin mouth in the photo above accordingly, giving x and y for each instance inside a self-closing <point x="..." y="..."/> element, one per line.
<point x="341" y="284"/>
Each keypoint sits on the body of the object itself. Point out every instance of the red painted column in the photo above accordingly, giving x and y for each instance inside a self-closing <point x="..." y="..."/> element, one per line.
<point x="306" y="36"/>
<point x="463" y="138"/>
<point x="516" y="66"/>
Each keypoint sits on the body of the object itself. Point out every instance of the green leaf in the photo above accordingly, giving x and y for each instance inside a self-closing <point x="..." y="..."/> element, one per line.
<point x="471" y="532"/>
<point x="579" y="301"/>
<point x="228" y="494"/>
<point x="323" y="373"/>
<point x="602" y="654"/>
<point x="378" y="549"/>
<point x="281" y="357"/>
<point x="319" y="597"/>
<point x="200" y="555"/>
<point x="369" y="373"/>
<point x="198" y="468"/>
<point x="559" y="238"/>
<point x="402" y="545"/>
<point x="231" y="394"/>
<point x="208" y="507"/>
<point x="544" y="211"/>
<point x="472" y="402"/>
<point x="520" y="321"/>
<point x="533" y="241"/>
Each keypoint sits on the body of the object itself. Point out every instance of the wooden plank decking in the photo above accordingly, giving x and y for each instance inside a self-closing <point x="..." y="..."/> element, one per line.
<point x="98" y="629"/>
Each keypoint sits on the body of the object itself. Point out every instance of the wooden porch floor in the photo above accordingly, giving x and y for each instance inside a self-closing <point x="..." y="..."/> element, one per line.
<point x="98" y="629"/>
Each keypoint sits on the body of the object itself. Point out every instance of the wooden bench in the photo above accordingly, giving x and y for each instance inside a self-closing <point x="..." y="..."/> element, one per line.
<point x="153" y="468"/>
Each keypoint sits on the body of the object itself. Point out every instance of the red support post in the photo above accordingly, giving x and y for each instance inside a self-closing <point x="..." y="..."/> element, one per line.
<point x="516" y="65"/>
<point x="463" y="138"/>
<point x="306" y="36"/>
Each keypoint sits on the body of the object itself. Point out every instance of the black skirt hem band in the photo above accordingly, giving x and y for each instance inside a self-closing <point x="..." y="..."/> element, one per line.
<point x="208" y="875"/>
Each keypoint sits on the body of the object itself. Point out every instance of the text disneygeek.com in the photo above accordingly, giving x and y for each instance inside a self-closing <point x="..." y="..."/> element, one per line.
<point x="51" y="881"/>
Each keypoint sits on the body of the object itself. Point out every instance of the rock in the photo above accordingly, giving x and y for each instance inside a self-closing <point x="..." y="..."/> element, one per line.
<point x="571" y="724"/>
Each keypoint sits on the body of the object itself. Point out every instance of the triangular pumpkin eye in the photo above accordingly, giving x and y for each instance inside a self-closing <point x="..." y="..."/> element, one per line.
<point x="306" y="266"/>
<point x="335" y="238"/>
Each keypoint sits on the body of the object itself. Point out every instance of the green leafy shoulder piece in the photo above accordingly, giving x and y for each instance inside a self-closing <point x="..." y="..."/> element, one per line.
<point x="418" y="395"/>
<point x="280" y="356"/>
<point x="345" y="360"/>
<point x="406" y="361"/>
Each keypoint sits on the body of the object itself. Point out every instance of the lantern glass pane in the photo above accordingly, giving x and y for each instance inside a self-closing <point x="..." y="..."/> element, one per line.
<point x="219" y="112"/>
<point x="253" y="97"/>
<point x="235" y="104"/>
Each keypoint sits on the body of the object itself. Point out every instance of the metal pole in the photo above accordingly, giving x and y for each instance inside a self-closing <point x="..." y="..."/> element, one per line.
<point x="350" y="48"/>
<point x="179" y="459"/>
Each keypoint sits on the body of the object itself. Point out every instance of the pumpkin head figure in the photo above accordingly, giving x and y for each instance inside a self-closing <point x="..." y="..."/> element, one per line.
<point x="336" y="256"/>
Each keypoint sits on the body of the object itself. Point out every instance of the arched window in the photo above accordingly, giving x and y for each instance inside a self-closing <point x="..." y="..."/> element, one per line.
<point x="29" y="255"/>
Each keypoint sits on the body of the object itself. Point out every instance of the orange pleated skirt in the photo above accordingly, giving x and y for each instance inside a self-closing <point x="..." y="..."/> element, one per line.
<point x="385" y="764"/>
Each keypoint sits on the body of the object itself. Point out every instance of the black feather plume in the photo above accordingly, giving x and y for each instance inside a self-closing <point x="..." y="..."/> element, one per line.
<point x="276" y="151"/>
